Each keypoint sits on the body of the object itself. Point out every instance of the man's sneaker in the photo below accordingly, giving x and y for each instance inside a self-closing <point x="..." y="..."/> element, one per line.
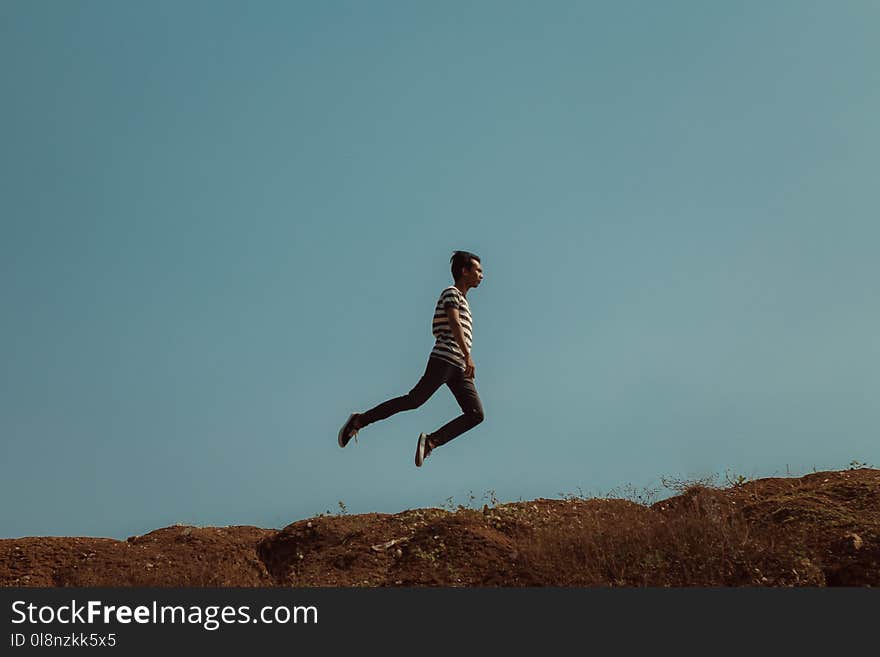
<point x="347" y="432"/>
<point x="423" y="449"/>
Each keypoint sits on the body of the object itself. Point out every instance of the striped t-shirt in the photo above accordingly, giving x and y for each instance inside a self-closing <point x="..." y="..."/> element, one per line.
<point x="446" y="346"/>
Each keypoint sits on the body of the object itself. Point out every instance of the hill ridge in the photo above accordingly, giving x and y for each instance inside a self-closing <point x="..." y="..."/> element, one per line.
<point x="820" y="529"/>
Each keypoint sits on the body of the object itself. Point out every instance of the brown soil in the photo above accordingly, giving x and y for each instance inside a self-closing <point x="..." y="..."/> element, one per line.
<point x="822" y="529"/>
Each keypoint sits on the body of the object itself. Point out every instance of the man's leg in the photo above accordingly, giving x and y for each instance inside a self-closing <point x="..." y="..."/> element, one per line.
<point x="472" y="410"/>
<point x="436" y="373"/>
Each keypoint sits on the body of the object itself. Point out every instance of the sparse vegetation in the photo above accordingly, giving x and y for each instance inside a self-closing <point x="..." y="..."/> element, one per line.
<point x="735" y="479"/>
<point x="702" y="539"/>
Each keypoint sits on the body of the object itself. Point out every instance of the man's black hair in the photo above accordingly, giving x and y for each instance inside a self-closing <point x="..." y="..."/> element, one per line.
<point x="460" y="260"/>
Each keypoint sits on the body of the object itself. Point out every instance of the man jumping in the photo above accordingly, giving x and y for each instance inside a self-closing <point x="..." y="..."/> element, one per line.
<point x="450" y="362"/>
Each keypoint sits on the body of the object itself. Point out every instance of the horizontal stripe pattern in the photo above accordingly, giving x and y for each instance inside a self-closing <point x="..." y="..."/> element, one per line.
<point x="446" y="347"/>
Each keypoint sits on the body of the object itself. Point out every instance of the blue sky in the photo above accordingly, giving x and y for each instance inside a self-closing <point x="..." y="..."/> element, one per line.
<point x="225" y="227"/>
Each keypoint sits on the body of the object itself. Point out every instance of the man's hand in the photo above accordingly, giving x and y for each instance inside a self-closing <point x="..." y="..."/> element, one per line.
<point x="469" y="368"/>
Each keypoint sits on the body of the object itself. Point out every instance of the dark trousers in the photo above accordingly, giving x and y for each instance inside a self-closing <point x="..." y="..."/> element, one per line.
<point x="437" y="373"/>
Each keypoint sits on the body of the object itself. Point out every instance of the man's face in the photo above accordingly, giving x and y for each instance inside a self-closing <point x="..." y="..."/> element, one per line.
<point x="475" y="274"/>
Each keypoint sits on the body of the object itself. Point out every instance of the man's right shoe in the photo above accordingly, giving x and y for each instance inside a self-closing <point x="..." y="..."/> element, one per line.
<point x="347" y="432"/>
<point x="423" y="449"/>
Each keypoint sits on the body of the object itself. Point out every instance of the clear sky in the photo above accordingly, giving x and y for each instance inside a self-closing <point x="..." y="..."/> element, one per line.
<point x="225" y="226"/>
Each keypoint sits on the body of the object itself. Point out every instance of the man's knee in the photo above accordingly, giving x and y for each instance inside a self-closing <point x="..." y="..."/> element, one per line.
<point x="412" y="401"/>
<point x="476" y="415"/>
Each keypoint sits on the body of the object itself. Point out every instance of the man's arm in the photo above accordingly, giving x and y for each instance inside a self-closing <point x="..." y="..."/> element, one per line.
<point x="457" y="330"/>
<point x="458" y="334"/>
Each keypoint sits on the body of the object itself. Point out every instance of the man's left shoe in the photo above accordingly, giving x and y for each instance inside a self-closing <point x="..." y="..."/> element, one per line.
<point x="423" y="449"/>
<point x="347" y="432"/>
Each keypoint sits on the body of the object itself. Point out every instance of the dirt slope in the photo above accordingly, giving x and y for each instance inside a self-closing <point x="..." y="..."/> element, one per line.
<point x="822" y="529"/>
